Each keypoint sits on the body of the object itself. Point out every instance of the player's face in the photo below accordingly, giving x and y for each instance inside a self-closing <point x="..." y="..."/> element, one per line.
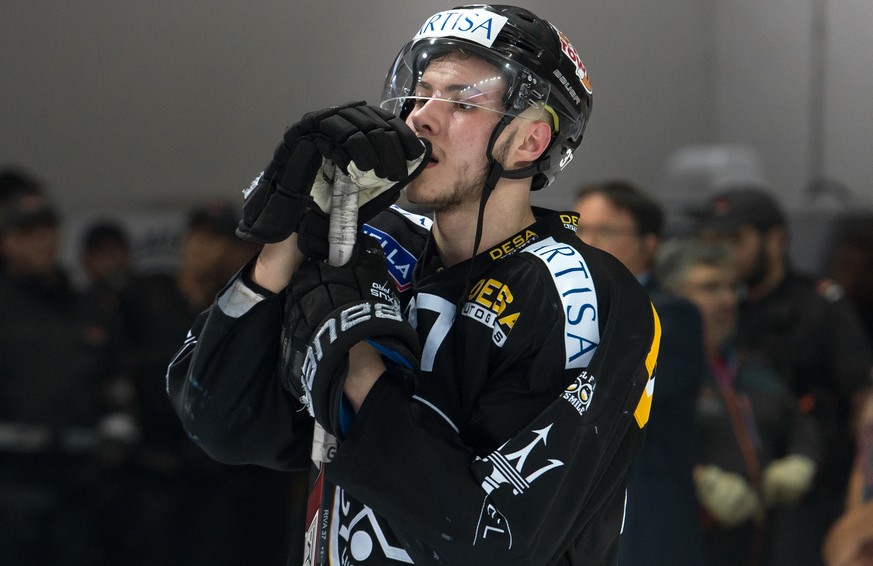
<point x="714" y="290"/>
<point x="614" y="230"/>
<point x="455" y="118"/>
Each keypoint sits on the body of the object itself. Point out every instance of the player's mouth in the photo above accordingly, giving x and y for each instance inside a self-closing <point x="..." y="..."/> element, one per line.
<point x="432" y="162"/>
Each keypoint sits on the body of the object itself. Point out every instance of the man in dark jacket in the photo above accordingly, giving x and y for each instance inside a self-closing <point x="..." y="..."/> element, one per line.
<point x="661" y="526"/>
<point x="52" y="364"/>
<point x="813" y="337"/>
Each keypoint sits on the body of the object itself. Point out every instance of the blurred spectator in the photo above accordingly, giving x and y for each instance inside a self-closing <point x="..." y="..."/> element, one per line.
<point x="850" y="539"/>
<point x="107" y="262"/>
<point x="815" y="339"/>
<point x="53" y="364"/>
<point x="106" y="255"/>
<point x="851" y="263"/>
<point x="13" y="183"/>
<point x="755" y="450"/>
<point x="158" y="308"/>
<point x="183" y="507"/>
<point x="661" y="517"/>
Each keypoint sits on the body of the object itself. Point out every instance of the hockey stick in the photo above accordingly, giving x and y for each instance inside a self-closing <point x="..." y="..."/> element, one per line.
<point x="341" y="236"/>
<point x="343" y="218"/>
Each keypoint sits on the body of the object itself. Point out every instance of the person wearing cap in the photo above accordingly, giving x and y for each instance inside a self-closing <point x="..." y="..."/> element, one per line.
<point x="52" y="364"/>
<point x="813" y="337"/>
<point x="175" y="489"/>
<point x="661" y="523"/>
<point x="30" y="227"/>
<point x="471" y="386"/>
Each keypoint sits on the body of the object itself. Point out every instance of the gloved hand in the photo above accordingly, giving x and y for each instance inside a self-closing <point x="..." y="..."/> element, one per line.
<point x="330" y="309"/>
<point x="379" y="151"/>
<point x="727" y="496"/>
<point x="787" y="479"/>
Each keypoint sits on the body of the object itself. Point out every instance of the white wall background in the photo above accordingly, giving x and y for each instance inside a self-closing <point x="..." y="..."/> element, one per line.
<point x="141" y="106"/>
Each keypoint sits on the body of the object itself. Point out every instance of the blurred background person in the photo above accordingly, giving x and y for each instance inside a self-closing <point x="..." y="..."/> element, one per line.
<point x="53" y="366"/>
<point x="182" y="507"/>
<point x="850" y="539"/>
<point x="850" y="263"/>
<point x="755" y="450"/>
<point x="814" y="338"/>
<point x="157" y="309"/>
<point x="661" y="517"/>
<point x="107" y="262"/>
<point x="106" y="256"/>
<point x="13" y="183"/>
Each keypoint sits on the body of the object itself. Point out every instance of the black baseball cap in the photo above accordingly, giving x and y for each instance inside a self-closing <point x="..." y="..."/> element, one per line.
<point x="746" y="206"/>
<point x="221" y="216"/>
<point x="26" y="209"/>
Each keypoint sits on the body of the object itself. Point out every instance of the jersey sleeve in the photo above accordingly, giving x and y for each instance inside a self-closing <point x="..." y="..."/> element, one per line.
<point x="224" y="386"/>
<point x="681" y="366"/>
<point x="554" y="477"/>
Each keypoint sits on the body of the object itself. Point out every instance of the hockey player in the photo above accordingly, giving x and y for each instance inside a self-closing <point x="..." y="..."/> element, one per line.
<point x="493" y="421"/>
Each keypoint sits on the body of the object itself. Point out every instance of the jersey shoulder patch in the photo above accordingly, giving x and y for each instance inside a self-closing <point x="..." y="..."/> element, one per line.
<point x="399" y="260"/>
<point x="574" y="284"/>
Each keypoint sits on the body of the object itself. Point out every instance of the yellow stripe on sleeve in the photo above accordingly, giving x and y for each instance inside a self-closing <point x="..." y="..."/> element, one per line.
<point x="644" y="407"/>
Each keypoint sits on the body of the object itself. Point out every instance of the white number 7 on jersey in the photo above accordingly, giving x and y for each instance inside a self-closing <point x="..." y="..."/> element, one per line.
<point x="437" y="333"/>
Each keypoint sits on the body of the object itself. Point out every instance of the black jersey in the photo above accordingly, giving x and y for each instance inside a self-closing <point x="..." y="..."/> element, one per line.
<point x="513" y="444"/>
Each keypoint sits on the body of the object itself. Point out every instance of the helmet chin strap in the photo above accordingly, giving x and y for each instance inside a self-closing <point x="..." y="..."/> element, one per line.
<point x="496" y="172"/>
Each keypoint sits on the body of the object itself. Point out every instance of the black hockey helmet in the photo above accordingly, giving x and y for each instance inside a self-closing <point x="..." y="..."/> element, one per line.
<point x="539" y="64"/>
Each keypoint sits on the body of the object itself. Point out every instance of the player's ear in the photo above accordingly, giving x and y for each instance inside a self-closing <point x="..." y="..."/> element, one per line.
<point x="535" y="139"/>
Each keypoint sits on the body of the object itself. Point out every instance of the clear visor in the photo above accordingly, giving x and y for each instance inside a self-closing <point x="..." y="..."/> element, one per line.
<point x="500" y="85"/>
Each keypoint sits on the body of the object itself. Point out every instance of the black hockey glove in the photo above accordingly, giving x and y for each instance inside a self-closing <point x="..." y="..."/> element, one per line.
<point x="375" y="147"/>
<point x="330" y="309"/>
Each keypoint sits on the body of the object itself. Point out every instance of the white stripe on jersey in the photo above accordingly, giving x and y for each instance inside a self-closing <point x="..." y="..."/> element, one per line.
<point x="422" y="221"/>
<point x="576" y="288"/>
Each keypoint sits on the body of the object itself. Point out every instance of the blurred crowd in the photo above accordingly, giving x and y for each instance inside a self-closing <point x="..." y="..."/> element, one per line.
<point x="94" y="465"/>
<point x="759" y="449"/>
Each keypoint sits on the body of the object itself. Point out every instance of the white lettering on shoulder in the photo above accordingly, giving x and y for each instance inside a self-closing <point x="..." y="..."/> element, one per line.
<point x="576" y="288"/>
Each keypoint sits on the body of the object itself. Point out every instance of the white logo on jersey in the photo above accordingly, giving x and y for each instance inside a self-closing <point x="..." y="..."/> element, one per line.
<point x="518" y="474"/>
<point x="574" y="284"/>
<point x="580" y="392"/>
<point x="352" y="536"/>
<point x="515" y="470"/>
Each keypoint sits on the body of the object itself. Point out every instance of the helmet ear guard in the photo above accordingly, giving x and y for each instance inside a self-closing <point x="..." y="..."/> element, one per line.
<point x="541" y="68"/>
